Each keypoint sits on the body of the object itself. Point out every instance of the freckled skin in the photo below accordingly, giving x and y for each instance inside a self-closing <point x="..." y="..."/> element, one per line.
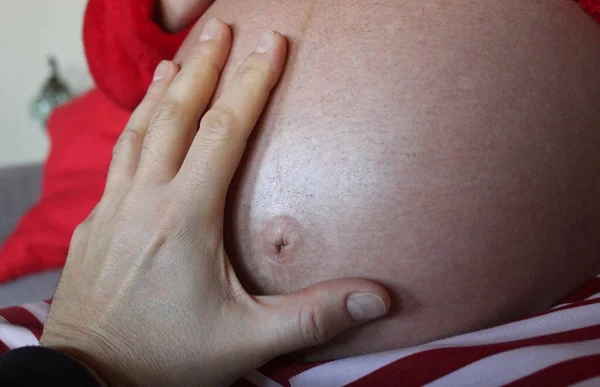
<point x="448" y="150"/>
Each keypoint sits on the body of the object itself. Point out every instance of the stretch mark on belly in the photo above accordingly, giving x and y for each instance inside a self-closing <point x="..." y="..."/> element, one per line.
<point x="280" y="239"/>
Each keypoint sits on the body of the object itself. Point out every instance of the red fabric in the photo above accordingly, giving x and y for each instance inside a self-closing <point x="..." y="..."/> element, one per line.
<point x="563" y="374"/>
<point x="82" y="135"/>
<point x="560" y="375"/>
<point x="592" y="7"/>
<point x="18" y="315"/>
<point x="450" y="359"/>
<point x="123" y="45"/>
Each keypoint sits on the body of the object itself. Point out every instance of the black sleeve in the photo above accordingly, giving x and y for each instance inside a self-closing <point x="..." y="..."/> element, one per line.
<point x="38" y="366"/>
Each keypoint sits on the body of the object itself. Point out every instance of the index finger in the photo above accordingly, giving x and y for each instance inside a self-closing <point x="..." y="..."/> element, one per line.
<point x="219" y="144"/>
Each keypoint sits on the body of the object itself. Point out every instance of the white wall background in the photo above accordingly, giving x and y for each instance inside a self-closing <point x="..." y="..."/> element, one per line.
<point x="29" y="31"/>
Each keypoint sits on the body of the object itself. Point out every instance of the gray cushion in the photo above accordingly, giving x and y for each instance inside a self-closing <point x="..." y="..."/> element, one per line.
<point x="19" y="189"/>
<point x="35" y="287"/>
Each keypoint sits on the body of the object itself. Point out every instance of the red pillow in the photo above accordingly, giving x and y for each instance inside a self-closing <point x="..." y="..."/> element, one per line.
<point x="82" y="135"/>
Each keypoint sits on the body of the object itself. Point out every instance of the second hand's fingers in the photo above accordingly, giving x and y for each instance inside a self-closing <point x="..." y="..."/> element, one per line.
<point x="221" y="139"/>
<point x="126" y="153"/>
<point x="175" y="122"/>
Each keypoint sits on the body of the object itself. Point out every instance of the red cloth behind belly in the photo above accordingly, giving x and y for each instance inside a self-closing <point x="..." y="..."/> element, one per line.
<point x="123" y="45"/>
<point x="82" y="135"/>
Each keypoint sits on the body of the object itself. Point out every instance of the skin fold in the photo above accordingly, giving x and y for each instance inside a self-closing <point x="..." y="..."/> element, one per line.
<point x="447" y="150"/>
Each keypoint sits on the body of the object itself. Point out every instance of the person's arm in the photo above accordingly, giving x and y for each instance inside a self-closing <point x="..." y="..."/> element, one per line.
<point x="39" y="366"/>
<point x="125" y="39"/>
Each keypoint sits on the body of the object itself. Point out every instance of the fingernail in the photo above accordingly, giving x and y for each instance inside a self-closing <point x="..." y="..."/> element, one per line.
<point x="210" y="31"/>
<point x="365" y="306"/>
<point x="161" y="71"/>
<point x="265" y="42"/>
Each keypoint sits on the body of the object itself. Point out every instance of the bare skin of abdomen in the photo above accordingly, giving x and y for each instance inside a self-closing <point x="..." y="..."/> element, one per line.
<point x="448" y="150"/>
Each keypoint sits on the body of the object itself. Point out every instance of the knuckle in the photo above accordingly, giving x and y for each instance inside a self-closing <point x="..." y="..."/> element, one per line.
<point x="167" y="215"/>
<point x="153" y="93"/>
<point x="204" y="59"/>
<point x="155" y="213"/>
<point x="253" y="73"/>
<point x="166" y="221"/>
<point x="166" y="115"/>
<point x="313" y="329"/>
<point x="151" y="152"/>
<point x="166" y="112"/>
<point x="128" y="207"/>
<point x="219" y="123"/>
<point x="80" y="231"/>
<point x="96" y="220"/>
<point x="96" y="210"/>
<point x="127" y="221"/>
<point x="128" y="140"/>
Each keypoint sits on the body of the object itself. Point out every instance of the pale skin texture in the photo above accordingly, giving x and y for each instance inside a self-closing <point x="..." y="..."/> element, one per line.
<point x="448" y="150"/>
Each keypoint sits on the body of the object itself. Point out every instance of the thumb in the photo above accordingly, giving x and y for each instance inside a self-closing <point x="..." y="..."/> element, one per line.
<point x="318" y="313"/>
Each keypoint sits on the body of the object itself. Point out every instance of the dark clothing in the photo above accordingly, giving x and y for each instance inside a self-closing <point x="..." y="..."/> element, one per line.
<point x="39" y="366"/>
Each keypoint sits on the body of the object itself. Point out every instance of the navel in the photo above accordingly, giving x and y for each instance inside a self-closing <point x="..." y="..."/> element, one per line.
<point x="281" y="239"/>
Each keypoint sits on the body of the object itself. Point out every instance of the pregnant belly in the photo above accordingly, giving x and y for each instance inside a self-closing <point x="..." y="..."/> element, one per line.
<point x="449" y="151"/>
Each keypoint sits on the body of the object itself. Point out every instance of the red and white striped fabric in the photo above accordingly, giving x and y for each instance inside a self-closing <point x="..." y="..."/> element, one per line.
<point x="557" y="348"/>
